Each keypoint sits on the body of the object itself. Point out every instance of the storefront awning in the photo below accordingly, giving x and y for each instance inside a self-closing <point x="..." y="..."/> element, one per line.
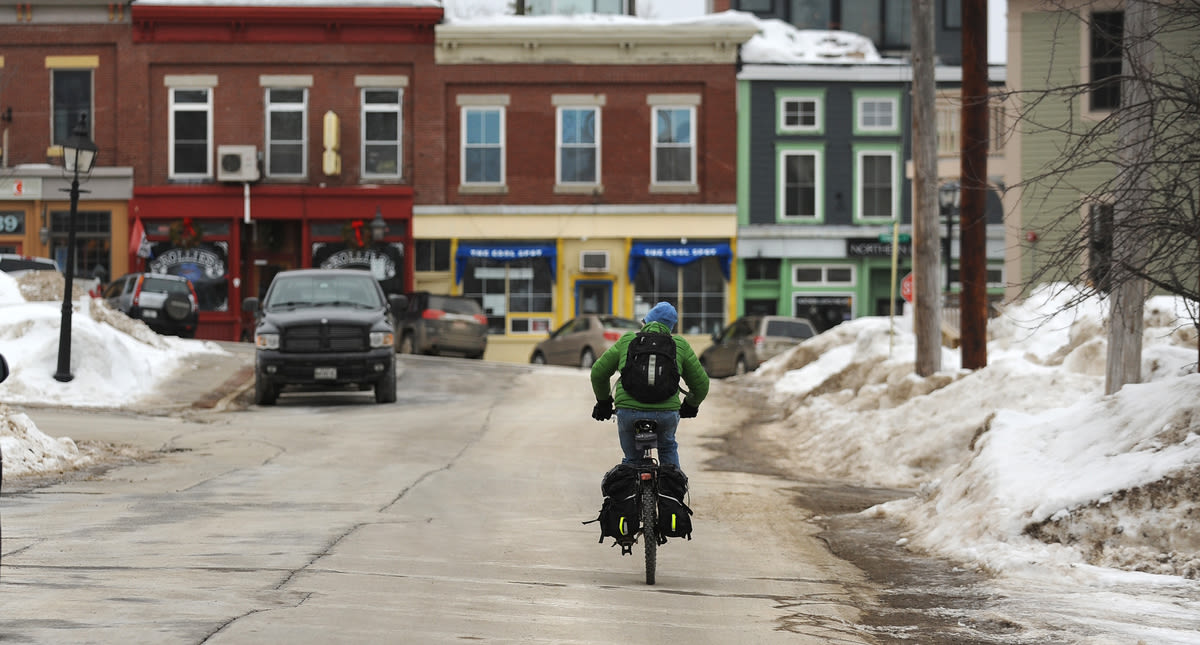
<point x="502" y="253"/>
<point x="679" y="254"/>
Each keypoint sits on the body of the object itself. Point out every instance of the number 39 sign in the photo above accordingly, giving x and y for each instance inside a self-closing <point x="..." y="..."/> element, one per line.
<point x="12" y="223"/>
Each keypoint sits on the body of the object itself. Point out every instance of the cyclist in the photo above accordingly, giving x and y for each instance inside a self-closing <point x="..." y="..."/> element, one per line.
<point x="661" y="318"/>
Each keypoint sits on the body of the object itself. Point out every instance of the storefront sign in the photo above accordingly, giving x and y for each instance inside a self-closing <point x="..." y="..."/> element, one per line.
<point x="195" y="263"/>
<point x="679" y="254"/>
<point x="12" y="223"/>
<point x="20" y="187"/>
<point x="509" y="253"/>
<point x="380" y="265"/>
<point x="871" y="247"/>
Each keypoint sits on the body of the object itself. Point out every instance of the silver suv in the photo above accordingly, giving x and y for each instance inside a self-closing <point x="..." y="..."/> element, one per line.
<point x="166" y="303"/>
<point x="752" y="340"/>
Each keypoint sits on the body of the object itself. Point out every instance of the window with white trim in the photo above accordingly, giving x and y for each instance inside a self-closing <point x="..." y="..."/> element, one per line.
<point x="822" y="275"/>
<point x="801" y="183"/>
<point x="287" y="125"/>
<point x="483" y="145"/>
<point x="674" y="136"/>
<point x="382" y="128"/>
<point x="801" y="112"/>
<point x="876" y="183"/>
<point x="190" y="133"/>
<point x="578" y="153"/>
<point x="876" y="112"/>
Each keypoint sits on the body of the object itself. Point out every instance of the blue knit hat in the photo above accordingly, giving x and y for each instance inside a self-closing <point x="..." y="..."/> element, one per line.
<point x="664" y="313"/>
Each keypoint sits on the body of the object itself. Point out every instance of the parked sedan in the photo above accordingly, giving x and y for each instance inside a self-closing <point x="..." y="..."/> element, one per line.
<point x="580" y="340"/>
<point x="752" y="340"/>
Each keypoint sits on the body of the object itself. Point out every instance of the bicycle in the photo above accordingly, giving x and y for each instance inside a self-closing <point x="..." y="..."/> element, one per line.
<point x="645" y="438"/>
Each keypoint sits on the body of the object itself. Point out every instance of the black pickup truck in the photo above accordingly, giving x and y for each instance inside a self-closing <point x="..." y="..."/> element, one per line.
<point x="324" y="329"/>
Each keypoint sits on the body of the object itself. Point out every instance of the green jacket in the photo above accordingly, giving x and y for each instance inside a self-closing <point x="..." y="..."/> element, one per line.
<point x="611" y="362"/>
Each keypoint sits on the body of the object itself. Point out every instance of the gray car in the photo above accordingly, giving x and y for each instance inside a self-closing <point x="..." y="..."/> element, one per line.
<point x="752" y="340"/>
<point x="166" y="303"/>
<point x="437" y="323"/>
<point x="580" y="340"/>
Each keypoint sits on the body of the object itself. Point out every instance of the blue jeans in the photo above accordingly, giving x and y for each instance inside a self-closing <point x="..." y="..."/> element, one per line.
<point x="668" y="421"/>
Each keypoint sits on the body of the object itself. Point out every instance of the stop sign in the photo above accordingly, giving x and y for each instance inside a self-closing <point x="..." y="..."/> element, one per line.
<point x="906" y="288"/>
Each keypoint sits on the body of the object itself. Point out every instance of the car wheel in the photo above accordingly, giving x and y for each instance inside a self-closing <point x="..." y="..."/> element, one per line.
<point x="406" y="345"/>
<point x="538" y="358"/>
<point x="385" y="389"/>
<point x="177" y="307"/>
<point x="264" y="392"/>
<point x="587" y="358"/>
<point x="739" y="368"/>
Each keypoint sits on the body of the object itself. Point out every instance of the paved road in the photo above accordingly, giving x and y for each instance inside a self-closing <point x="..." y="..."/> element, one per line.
<point x="453" y="515"/>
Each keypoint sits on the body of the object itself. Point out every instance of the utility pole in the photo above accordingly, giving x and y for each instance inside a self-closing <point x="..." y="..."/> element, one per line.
<point x="926" y="249"/>
<point x="973" y="177"/>
<point x="1124" y="360"/>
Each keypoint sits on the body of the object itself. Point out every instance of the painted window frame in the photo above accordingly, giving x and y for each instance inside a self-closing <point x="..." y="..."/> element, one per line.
<point x="395" y="109"/>
<point x="817" y="152"/>
<point x="483" y="104"/>
<point x="581" y="103"/>
<point x="175" y="85"/>
<point x="271" y="107"/>
<point x="656" y="146"/>
<point x="824" y="281"/>
<point x="863" y="97"/>
<point x="860" y="152"/>
<point x="784" y="97"/>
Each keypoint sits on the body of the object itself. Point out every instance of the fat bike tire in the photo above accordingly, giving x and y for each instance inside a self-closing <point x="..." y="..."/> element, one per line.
<point x="649" y="519"/>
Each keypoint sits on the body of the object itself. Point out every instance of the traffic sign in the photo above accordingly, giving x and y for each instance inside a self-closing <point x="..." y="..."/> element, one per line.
<point x="906" y="288"/>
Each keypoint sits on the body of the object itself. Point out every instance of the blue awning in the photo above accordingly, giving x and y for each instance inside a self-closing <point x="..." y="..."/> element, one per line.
<point x="503" y="253"/>
<point x="679" y="254"/>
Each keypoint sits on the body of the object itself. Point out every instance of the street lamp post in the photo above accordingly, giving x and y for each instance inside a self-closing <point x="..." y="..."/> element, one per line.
<point x="948" y="199"/>
<point x="378" y="226"/>
<point x="79" y="153"/>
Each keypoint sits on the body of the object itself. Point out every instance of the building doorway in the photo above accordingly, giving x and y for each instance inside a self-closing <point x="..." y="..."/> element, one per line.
<point x="593" y="297"/>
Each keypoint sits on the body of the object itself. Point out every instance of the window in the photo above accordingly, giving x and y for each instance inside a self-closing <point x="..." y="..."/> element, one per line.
<point x="761" y="269"/>
<point x="483" y="145"/>
<point x="1100" y="246"/>
<point x="432" y="255"/>
<point x="876" y="180"/>
<point x="287" y="121"/>
<point x="572" y="7"/>
<point x="381" y="127"/>
<point x="697" y="289"/>
<point x="864" y="17"/>
<point x="897" y="24"/>
<point x="93" y="241"/>
<point x="812" y="14"/>
<point x="801" y="112"/>
<point x="190" y="133"/>
<point x="817" y="275"/>
<point x="674" y="159"/>
<point x="1106" y="32"/>
<point x="72" y="91"/>
<point x="507" y="289"/>
<point x="876" y="113"/>
<point x="801" y="178"/>
<point x="579" y="145"/>
<point x="952" y="14"/>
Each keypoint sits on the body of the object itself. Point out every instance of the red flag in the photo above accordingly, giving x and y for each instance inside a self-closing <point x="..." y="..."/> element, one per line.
<point x="137" y="239"/>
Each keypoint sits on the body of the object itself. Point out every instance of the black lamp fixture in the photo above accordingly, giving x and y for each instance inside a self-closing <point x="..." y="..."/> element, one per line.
<point x="949" y="197"/>
<point x="79" y="154"/>
<point x="378" y="226"/>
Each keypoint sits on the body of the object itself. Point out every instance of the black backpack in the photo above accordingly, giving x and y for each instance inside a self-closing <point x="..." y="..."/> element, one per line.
<point x="619" y="512"/>
<point x="674" y="516"/>
<point x="650" y="374"/>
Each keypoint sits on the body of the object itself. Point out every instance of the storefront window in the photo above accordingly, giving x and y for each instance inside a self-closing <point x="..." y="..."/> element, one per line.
<point x="697" y="289"/>
<point x="189" y="250"/>
<point x="93" y="242"/>
<point x="349" y="245"/>
<point x="504" y="287"/>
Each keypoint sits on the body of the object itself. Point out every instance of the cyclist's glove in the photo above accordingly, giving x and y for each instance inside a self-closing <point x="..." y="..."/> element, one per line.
<point x="688" y="411"/>
<point x="603" y="410"/>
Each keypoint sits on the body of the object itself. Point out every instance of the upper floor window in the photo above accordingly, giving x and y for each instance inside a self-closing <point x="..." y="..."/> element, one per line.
<point x="483" y="145"/>
<point x="190" y="132"/>
<point x="801" y="183"/>
<point x="876" y="112"/>
<point x="801" y="112"/>
<point x="1106" y="31"/>
<point x="876" y="182"/>
<point x="72" y="96"/>
<point x="381" y="128"/>
<point x="573" y="7"/>
<point x="287" y="121"/>
<point x="674" y="135"/>
<point x="897" y="24"/>
<point x="578" y="135"/>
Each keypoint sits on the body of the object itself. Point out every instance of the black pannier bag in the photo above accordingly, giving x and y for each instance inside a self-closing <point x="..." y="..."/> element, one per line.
<point x="619" y="512"/>
<point x="674" y="516"/>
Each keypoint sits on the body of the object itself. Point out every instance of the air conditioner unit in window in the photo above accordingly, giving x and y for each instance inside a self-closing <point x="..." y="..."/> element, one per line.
<point x="237" y="163"/>
<point x="593" y="261"/>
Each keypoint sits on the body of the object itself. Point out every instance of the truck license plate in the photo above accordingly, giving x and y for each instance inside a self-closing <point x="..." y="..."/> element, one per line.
<point x="324" y="373"/>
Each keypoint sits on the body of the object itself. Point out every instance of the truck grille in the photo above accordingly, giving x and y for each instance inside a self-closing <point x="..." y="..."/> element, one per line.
<point x="324" y="338"/>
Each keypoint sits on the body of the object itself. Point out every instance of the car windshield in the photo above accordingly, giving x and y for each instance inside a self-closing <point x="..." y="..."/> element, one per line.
<point x="455" y="305"/>
<point x="322" y="291"/>
<point x="789" y="328"/>
<point x="612" y="322"/>
<point x="164" y="285"/>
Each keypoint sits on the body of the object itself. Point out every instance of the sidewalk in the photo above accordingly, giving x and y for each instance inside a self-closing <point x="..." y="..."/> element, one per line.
<point x="206" y="381"/>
